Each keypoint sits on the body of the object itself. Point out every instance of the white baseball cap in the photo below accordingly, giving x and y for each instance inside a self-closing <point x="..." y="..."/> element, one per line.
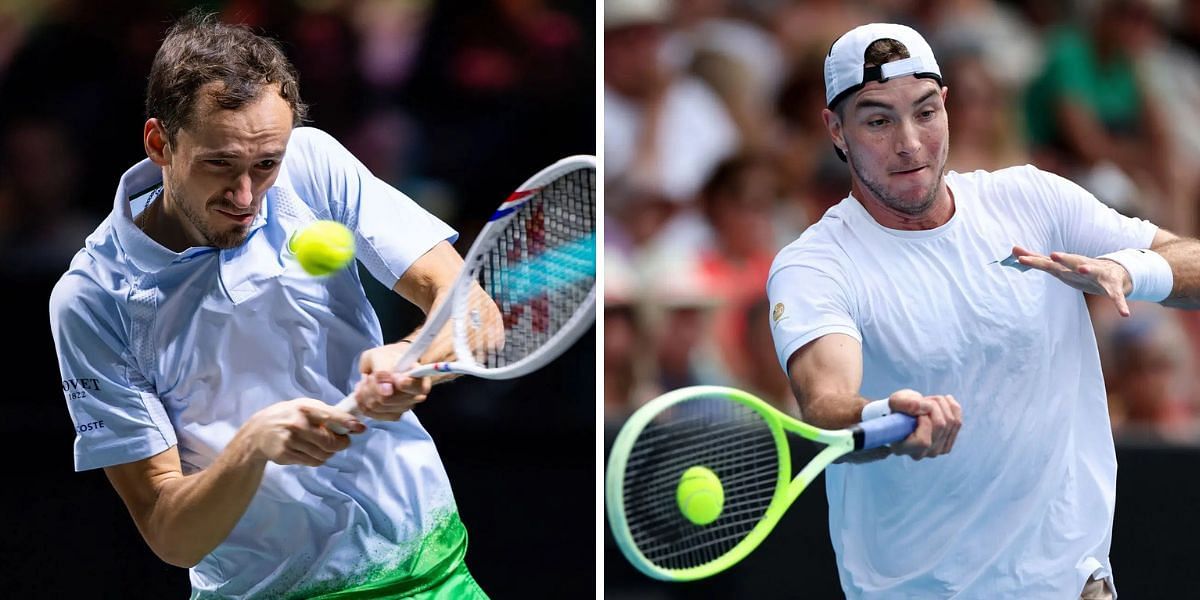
<point x="844" y="70"/>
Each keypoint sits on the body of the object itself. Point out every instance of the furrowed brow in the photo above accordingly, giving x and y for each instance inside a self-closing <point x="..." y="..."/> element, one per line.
<point x="868" y="103"/>
<point x="864" y="104"/>
<point x="925" y="97"/>
<point x="228" y="154"/>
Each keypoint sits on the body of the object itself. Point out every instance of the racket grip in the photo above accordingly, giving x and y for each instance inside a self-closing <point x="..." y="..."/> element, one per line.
<point x="347" y="404"/>
<point x="350" y="405"/>
<point x="885" y="430"/>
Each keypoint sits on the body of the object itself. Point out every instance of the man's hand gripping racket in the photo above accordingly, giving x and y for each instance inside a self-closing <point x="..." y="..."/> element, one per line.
<point x="527" y="290"/>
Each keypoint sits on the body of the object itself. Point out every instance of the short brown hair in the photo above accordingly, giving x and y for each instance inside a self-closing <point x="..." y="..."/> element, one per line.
<point x="199" y="50"/>
<point x="878" y="53"/>
<point x="883" y="51"/>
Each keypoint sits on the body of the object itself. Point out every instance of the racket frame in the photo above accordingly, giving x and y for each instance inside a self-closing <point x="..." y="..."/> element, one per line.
<point x="460" y="292"/>
<point x="787" y="489"/>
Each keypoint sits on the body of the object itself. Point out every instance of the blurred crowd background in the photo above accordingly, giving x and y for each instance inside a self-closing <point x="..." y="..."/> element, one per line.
<point x="716" y="157"/>
<point x="455" y="103"/>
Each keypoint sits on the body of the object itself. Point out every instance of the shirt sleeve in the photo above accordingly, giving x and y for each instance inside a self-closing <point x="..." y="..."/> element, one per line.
<point x="117" y="417"/>
<point x="1087" y="226"/>
<point x="809" y="299"/>
<point x="391" y="230"/>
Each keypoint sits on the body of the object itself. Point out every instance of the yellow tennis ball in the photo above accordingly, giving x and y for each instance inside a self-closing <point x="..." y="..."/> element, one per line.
<point x="323" y="247"/>
<point x="700" y="495"/>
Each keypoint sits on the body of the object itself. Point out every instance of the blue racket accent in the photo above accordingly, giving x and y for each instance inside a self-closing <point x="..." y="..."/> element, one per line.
<point x="554" y="268"/>
<point x="503" y="212"/>
<point x="886" y="430"/>
<point x="513" y="203"/>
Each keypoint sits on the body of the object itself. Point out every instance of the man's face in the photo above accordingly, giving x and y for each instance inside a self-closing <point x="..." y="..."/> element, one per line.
<point x="221" y="167"/>
<point x="897" y="139"/>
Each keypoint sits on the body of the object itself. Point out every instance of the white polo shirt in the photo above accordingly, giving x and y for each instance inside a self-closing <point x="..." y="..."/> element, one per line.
<point x="159" y="349"/>
<point x="1022" y="507"/>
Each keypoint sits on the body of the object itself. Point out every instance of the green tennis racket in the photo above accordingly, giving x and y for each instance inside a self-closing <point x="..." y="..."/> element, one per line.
<point x="699" y="476"/>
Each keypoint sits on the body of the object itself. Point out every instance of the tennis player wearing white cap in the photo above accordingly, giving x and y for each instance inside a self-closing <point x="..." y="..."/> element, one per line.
<point x="936" y="281"/>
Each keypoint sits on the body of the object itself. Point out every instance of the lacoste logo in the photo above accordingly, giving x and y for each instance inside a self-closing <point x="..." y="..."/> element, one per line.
<point x="89" y="426"/>
<point x="1011" y="261"/>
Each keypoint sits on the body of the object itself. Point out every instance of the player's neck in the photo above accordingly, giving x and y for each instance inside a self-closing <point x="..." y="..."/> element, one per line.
<point x="938" y="213"/>
<point x="161" y="222"/>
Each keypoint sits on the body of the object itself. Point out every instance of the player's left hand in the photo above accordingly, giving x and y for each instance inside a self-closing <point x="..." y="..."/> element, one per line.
<point x="1098" y="276"/>
<point x="384" y="394"/>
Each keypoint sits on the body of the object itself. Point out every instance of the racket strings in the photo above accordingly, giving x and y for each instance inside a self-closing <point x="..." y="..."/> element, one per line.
<point x="541" y="269"/>
<point x="670" y="463"/>
<point x="730" y="439"/>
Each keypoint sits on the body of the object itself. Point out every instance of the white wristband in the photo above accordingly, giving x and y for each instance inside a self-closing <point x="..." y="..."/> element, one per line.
<point x="876" y="409"/>
<point x="1150" y="272"/>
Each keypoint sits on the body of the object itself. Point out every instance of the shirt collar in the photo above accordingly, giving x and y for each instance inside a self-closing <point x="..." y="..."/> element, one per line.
<point x="146" y="254"/>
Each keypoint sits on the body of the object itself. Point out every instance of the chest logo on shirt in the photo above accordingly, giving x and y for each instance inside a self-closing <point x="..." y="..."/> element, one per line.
<point x="778" y="312"/>
<point x="1011" y="261"/>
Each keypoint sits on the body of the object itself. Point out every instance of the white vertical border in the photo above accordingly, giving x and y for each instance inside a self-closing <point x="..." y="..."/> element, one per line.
<point x="599" y="400"/>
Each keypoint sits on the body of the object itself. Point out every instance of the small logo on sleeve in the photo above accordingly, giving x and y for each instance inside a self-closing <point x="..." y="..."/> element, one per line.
<point x="777" y="314"/>
<point x="78" y="388"/>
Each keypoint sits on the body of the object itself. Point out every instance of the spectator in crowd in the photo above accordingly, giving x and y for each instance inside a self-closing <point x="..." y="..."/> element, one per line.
<point x="805" y="30"/>
<point x="677" y="308"/>
<point x="1091" y="119"/>
<point x="664" y="130"/>
<point x="1170" y="71"/>
<point x="727" y="240"/>
<point x="1005" y="43"/>
<point x="1146" y="377"/>
<point x="621" y="340"/>
<point x="737" y="205"/>
<point x="737" y="57"/>
<point x="986" y="132"/>
<point x="813" y="178"/>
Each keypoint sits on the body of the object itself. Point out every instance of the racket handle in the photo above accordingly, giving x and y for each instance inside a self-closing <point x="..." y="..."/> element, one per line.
<point x="883" y="431"/>
<point x="429" y="370"/>
<point x="348" y="404"/>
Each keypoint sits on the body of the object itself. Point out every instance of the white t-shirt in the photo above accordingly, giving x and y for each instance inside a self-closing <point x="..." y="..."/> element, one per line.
<point x="161" y="349"/>
<point x="1022" y="507"/>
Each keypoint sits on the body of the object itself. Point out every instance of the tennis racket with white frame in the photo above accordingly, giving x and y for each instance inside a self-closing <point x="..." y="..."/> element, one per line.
<point x="741" y="440"/>
<point x="527" y="289"/>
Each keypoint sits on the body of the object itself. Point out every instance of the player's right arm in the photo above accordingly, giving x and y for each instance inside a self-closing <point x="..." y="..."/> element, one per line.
<point x="184" y="517"/>
<point x="826" y="375"/>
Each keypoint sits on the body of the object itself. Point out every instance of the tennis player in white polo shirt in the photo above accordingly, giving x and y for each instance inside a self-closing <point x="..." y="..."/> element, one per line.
<point x="194" y="347"/>
<point x="913" y="282"/>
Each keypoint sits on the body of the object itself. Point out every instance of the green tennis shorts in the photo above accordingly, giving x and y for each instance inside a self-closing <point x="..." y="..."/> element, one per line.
<point x="455" y="585"/>
<point x="443" y="574"/>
